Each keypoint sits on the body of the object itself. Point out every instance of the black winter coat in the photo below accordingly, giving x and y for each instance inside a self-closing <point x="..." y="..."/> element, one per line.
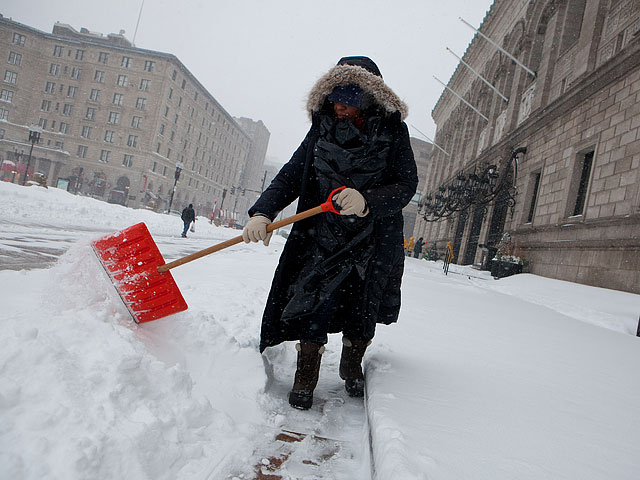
<point x="385" y="199"/>
<point x="188" y="214"/>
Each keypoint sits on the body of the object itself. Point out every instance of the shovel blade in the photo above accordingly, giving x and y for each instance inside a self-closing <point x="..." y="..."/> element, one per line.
<point x="131" y="259"/>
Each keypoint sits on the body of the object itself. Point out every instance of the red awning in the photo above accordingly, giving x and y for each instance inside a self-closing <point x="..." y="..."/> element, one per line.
<point x="9" y="166"/>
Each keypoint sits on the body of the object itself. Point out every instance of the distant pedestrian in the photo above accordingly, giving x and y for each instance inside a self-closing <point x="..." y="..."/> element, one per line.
<point x="410" y="246"/>
<point x="188" y="216"/>
<point x="417" y="250"/>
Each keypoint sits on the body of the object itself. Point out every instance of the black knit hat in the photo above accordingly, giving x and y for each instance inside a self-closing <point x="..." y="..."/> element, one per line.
<point x="362" y="62"/>
<point x="348" y="95"/>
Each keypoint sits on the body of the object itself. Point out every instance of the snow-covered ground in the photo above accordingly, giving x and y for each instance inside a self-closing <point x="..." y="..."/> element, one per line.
<point x="520" y="378"/>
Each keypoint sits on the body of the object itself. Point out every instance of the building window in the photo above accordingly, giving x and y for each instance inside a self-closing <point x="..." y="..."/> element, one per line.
<point x="180" y="102"/>
<point x="114" y="118"/>
<point x="50" y="87"/>
<point x="154" y="166"/>
<point x="145" y="84"/>
<point x="64" y="127"/>
<point x="46" y="105"/>
<point x="157" y="149"/>
<point x="170" y="92"/>
<point x="10" y="77"/>
<point x="127" y="161"/>
<point x="166" y="110"/>
<point x="126" y="62"/>
<point x="168" y="153"/>
<point x="118" y="99"/>
<point x="99" y="76"/>
<point x="136" y="122"/>
<point x="4" y="114"/>
<point x="42" y="123"/>
<point x="123" y="80"/>
<point x="19" y="39"/>
<point x="162" y="129"/>
<point x="140" y="103"/>
<point x="86" y="132"/>
<point x="91" y="113"/>
<point x="15" y="58"/>
<point x="7" y="96"/>
<point x="132" y="141"/>
<point x="184" y="83"/>
<point x="164" y="171"/>
<point x="173" y="75"/>
<point x="94" y="95"/>
<point x="108" y="136"/>
<point x="57" y="51"/>
<point x="72" y="91"/>
<point x="75" y="73"/>
<point x="173" y="135"/>
<point x="534" y="196"/>
<point x="79" y="55"/>
<point x="586" y="162"/>
<point x="67" y="109"/>
<point x="104" y="156"/>
<point x="54" y="69"/>
<point x="103" y="57"/>
<point x="175" y="119"/>
<point x="149" y="66"/>
<point x="82" y="151"/>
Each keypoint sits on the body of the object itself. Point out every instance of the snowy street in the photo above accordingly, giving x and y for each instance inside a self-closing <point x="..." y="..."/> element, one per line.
<point x="519" y="378"/>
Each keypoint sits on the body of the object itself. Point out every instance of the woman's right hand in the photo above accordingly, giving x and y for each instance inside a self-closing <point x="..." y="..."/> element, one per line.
<point x="256" y="230"/>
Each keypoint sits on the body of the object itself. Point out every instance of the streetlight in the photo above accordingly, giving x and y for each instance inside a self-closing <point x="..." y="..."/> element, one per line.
<point x="179" y="167"/>
<point x="34" y="137"/>
<point x="18" y="159"/>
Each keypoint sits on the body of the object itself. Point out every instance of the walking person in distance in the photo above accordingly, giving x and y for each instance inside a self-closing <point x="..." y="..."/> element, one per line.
<point x="188" y="216"/>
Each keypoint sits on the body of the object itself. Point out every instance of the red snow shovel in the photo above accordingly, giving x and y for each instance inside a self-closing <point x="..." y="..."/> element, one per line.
<point x="142" y="278"/>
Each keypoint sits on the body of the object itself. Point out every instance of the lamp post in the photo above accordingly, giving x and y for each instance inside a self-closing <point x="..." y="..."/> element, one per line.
<point x="179" y="167"/>
<point x="17" y="157"/>
<point x="34" y="137"/>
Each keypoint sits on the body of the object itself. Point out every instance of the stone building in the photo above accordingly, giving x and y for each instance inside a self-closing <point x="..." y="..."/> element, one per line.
<point x="253" y="176"/>
<point x="118" y="121"/>
<point x="421" y="152"/>
<point x="564" y="141"/>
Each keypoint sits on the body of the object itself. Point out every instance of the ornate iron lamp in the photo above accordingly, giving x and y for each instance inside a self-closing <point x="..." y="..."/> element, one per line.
<point x="34" y="137"/>
<point x="179" y="167"/>
<point x="468" y="190"/>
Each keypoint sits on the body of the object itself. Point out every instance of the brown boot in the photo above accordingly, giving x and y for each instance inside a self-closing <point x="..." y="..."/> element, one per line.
<point x="351" y="366"/>
<point x="306" y="379"/>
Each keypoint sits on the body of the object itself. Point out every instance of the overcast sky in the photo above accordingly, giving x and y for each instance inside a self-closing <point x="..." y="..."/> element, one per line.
<point x="260" y="58"/>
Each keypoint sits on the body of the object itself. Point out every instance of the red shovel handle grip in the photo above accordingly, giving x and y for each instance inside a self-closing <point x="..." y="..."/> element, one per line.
<point x="328" y="206"/>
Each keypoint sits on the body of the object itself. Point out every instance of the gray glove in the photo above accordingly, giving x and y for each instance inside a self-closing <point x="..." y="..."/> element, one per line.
<point x="351" y="202"/>
<point x="256" y="230"/>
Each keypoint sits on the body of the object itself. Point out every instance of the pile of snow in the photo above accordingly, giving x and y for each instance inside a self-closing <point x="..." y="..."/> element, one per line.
<point x="480" y="378"/>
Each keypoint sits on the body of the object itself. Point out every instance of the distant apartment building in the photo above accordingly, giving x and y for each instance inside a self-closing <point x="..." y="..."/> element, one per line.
<point x="556" y="110"/>
<point x="253" y="176"/>
<point x="118" y="121"/>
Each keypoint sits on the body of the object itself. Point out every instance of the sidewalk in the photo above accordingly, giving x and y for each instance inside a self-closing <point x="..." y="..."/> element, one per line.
<point x="461" y="388"/>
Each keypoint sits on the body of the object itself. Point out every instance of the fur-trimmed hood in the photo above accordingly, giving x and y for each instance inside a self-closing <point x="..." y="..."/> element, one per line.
<point x="370" y="83"/>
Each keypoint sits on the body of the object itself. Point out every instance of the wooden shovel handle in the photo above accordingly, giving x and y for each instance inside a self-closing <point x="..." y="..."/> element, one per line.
<point x="325" y="207"/>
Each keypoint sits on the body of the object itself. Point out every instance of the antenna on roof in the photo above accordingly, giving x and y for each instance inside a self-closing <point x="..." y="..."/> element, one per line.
<point x="137" y="23"/>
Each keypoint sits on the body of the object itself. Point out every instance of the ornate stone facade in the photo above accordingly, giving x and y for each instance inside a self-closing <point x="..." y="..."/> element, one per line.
<point x="577" y="211"/>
